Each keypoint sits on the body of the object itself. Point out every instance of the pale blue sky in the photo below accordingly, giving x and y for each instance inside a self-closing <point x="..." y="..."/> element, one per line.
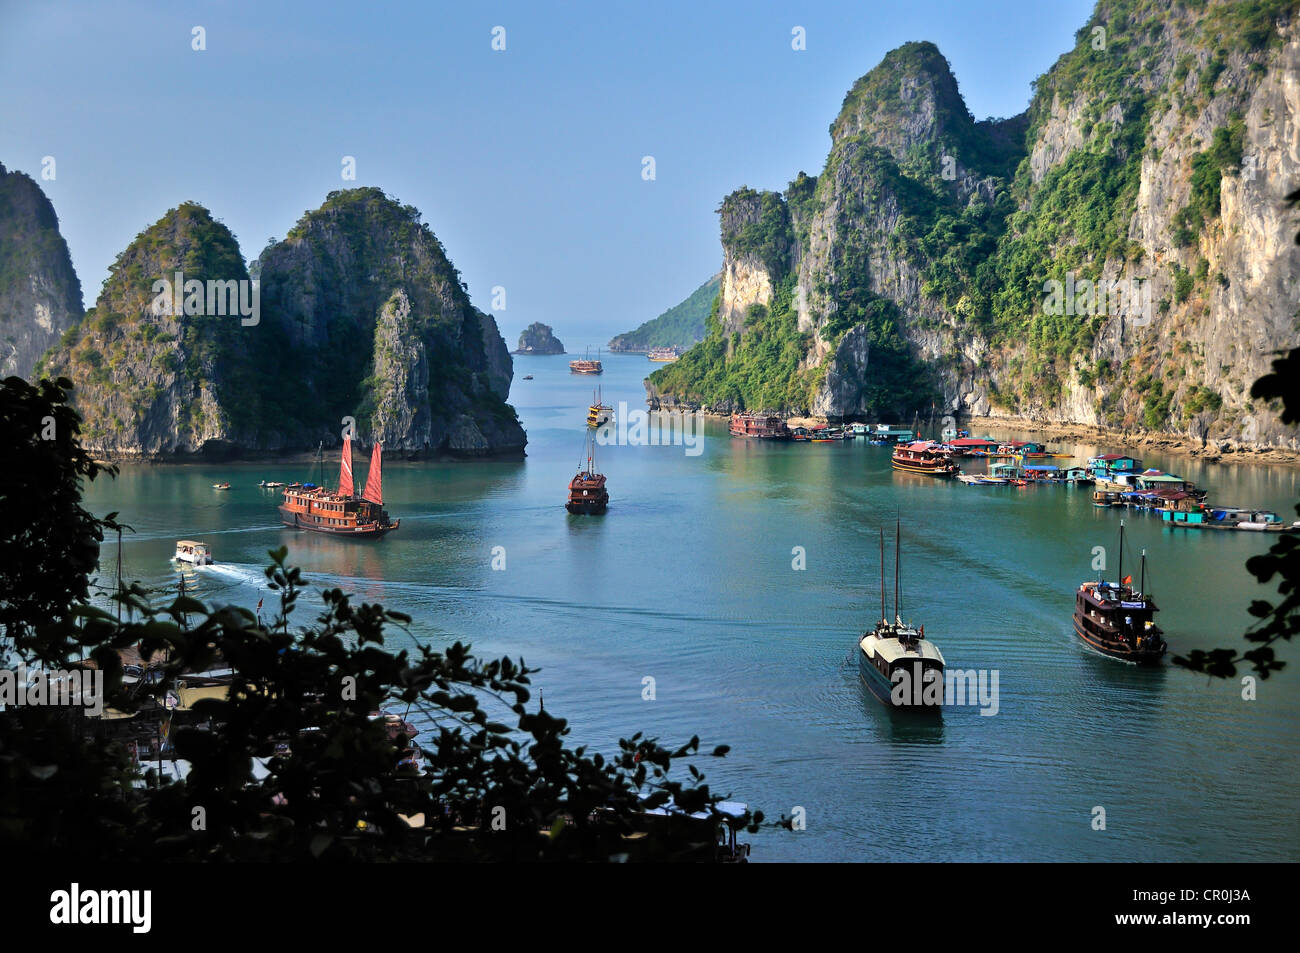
<point x="526" y="163"/>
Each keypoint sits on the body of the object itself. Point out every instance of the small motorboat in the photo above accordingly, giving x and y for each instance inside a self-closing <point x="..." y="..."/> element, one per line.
<point x="528" y="377"/>
<point x="193" y="551"/>
<point x="221" y="486"/>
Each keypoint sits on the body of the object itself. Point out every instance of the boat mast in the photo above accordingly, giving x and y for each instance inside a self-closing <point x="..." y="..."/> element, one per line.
<point x="320" y="462"/>
<point x="1121" y="558"/>
<point x="883" y="617"/>
<point x="1142" y="583"/>
<point x="898" y="535"/>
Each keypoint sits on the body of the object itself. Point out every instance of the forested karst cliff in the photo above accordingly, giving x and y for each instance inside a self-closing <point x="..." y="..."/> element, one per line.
<point x="915" y="271"/>
<point x="40" y="296"/>
<point x="357" y="314"/>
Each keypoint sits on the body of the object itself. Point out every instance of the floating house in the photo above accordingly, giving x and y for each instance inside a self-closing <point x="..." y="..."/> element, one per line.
<point x="973" y="446"/>
<point x="1042" y="473"/>
<point x="1109" y="463"/>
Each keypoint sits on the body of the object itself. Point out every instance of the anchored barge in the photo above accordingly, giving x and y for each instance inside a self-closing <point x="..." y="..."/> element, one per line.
<point x="759" y="426"/>
<point x="586" y="365"/>
<point x="1118" y="620"/>
<point x="925" y="456"/>
<point x="341" y="513"/>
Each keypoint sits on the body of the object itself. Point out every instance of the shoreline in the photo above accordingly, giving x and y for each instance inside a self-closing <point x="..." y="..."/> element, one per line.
<point x="1210" y="451"/>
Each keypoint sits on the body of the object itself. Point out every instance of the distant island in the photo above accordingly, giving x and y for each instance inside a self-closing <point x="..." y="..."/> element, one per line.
<point x="681" y="326"/>
<point x="539" y="339"/>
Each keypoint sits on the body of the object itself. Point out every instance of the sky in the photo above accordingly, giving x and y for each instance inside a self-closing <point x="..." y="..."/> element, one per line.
<point x="526" y="162"/>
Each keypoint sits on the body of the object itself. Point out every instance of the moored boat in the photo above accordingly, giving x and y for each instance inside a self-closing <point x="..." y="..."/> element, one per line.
<point x="759" y="426"/>
<point x="1118" y="620"/>
<point x="924" y="456"/>
<point x="899" y="666"/>
<point x="586" y="365"/>
<point x="663" y="355"/>
<point x="341" y="513"/>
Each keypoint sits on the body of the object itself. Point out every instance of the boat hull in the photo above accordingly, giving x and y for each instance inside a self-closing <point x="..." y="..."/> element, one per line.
<point x="936" y="471"/>
<point x="883" y="690"/>
<point x="360" y="531"/>
<point x="588" y="507"/>
<point x="1119" y="651"/>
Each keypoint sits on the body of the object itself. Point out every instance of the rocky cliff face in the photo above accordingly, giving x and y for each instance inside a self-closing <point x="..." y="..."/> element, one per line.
<point x="152" y="380"/>
<point x="356" y="314"/>
<point x="40" y="296"/>
<point x="538" y="338"/>
<point x="378" y="326"/>
<point x="1146" y="179"/>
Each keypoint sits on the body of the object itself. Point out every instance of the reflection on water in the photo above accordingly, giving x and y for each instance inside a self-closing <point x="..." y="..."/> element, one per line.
<point x="691" y="578"/>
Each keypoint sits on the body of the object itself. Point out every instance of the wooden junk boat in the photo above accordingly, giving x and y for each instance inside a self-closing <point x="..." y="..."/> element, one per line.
<point x="1118" y="620"/>
<point x="343" y="512"/>
<point x="759" y="426"/>
<point x="895" y="660"/>
<point x="599" y="413"/>
<point x="925" y="456"/>
<point x="586" y="365"/>
<point x="587" y="493"/>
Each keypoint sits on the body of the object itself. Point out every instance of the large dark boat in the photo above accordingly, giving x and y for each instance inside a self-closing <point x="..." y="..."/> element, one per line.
<point x="896" y="662"/>
<point x="1118" y="620"/>
<point x="759" y="426"/>
<point x="341" y="513"/>
<point x="587" y="493"/>
<point x="925" y="456"/>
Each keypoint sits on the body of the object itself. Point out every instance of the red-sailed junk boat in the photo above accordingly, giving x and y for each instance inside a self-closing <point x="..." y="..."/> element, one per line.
<point x="587" y="493"/>
<point x="760" y="426"/>
<point x="924" y="456"/>
<point x="342" y="513"/>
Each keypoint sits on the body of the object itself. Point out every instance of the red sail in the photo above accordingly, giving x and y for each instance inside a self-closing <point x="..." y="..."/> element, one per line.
<point x="345" y="469"/>
<point x="374" y="479"/>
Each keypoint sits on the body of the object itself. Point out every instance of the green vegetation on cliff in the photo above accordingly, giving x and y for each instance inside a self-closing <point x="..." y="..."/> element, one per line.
<point x="360" y="314"/>
<point x="985" y="214"/>
<point x="755" y="369"/>
<point x="682" y="325"/>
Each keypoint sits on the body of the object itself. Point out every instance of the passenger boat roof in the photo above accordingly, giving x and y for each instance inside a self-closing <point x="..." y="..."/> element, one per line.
<point x="189" y="542"/>
<point x="1042" y="467"/>
<point x="891" y="650"/>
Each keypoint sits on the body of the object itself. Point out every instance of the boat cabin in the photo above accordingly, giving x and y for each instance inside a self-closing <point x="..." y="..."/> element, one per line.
<point x="972" y="446"/>
<point x="760" y="426"/>
<point x="1157" y="480"/>
<point x="193" y="551"/>
<point x="1108" y="463"/>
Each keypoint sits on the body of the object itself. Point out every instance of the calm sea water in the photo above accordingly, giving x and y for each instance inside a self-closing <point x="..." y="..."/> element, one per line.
<point x="688" y="580"/>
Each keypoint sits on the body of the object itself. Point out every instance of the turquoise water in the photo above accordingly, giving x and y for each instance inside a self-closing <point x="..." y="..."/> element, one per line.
<point x="688" y="579"/>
